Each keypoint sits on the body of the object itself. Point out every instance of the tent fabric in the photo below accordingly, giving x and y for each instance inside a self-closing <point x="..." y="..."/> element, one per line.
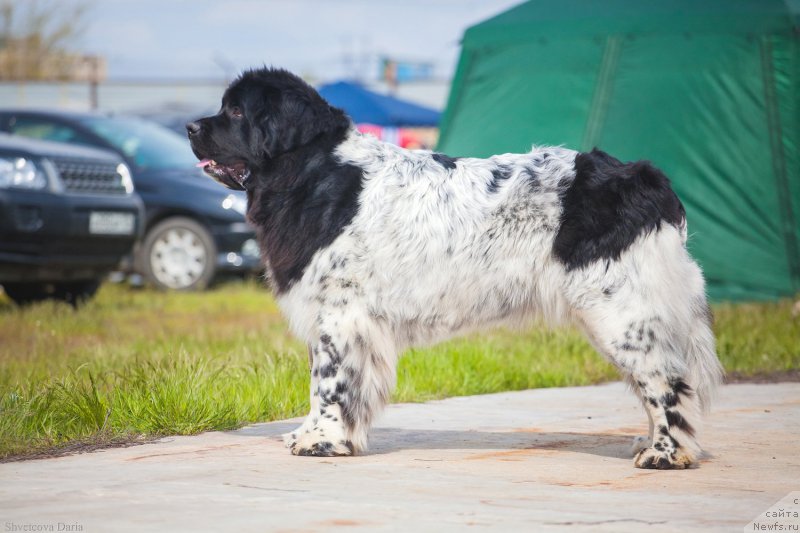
<point x="708" y="91"/>
<point x="367" y="107"/>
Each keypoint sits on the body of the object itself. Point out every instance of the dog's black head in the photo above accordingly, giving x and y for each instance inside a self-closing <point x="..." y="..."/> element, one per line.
<point x="265" y="114"/>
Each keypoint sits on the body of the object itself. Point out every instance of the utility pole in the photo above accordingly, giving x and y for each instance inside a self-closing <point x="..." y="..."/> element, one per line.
<point x="94" y="81"/>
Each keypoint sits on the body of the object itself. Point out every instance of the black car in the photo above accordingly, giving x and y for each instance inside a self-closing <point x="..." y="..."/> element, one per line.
<point x="68" y="214"/>
<point x="193" y="228"/>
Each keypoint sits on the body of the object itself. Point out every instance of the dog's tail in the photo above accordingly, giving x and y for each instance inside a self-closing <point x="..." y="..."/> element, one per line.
<point x="705" y="370"/>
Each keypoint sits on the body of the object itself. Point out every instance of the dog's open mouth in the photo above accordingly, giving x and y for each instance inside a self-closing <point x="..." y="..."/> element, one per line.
<point x="237" y="173"/>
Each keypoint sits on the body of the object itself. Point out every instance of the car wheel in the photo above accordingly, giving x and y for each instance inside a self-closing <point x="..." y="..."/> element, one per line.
<point x="178" y="253"/>
<point x="74" y="293"/>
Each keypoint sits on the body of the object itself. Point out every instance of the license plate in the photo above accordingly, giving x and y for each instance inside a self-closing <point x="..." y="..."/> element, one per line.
<point x="105" y="223"/>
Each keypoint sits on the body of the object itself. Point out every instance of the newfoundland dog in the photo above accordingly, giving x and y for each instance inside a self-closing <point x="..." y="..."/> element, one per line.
<point x="371" y="249"/>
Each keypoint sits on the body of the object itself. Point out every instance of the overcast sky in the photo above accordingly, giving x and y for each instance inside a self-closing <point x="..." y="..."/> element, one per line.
<point x="324" y="39"/>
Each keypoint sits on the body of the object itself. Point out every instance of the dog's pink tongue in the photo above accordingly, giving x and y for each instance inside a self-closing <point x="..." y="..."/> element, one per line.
<point x="204" y="163"/>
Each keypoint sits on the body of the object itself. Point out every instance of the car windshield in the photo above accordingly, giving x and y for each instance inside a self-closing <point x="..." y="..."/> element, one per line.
<point x="148" y="145"/>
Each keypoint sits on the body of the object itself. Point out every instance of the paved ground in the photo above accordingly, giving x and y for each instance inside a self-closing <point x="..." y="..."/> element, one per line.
<point x="553" y="459"/>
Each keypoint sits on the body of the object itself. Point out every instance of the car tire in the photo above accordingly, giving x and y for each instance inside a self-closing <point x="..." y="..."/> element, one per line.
<point x="74" y="293"/>
<point x="178" y="253"/>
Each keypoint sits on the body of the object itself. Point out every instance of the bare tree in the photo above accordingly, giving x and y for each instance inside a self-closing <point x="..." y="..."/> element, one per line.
<point x="36" y="36"/>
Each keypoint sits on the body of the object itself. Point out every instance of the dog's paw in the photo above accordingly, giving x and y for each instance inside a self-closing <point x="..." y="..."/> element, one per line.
<point x="640" y="443"/>
<point x="660" y="460"/>
<point x="324" y="449"/>
<point x="314" y="443"/>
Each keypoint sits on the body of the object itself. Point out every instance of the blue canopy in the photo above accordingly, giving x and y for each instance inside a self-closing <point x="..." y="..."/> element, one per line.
<point x="367" y="107"/>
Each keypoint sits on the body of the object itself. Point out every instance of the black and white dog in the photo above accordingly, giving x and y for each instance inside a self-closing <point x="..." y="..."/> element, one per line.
<point x="371" y="249"/>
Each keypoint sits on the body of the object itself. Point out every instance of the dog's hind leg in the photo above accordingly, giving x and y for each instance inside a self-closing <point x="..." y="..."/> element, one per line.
<point x="352" y="375"/>
<point x="650" y="351"/>
<point x="647" y="314"/>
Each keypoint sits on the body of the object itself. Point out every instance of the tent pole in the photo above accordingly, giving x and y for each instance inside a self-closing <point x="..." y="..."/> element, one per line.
<point x="779" y="162"/>
<point x="602" y="93"/>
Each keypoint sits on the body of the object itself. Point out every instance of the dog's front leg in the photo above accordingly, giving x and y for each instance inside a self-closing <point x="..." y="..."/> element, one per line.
<point x="350" y="382"/>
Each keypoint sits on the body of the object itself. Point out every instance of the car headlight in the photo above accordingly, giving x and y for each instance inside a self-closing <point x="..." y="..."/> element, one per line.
<point x="235" y="202"/>
<point x="250" y="248"/>
<point x="125" y="178"/>
<point x="21" y="173"/>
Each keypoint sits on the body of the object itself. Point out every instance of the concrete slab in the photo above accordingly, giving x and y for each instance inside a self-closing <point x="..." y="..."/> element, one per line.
<point x="538" y="460"/>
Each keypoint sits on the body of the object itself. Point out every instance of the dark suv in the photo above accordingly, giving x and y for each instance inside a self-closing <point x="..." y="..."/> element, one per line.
<point x="193" y="227"/>
<point x="67" y="216"/>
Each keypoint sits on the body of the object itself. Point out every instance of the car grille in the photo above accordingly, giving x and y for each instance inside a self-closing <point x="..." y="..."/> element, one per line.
<point x="89" y="176"/>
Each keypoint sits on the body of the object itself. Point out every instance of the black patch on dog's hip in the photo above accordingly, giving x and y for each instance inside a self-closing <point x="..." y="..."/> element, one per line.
<point x="608" y="205"/>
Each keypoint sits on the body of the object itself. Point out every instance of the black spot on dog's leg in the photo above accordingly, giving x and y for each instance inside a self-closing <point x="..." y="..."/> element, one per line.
<point x="680" y="388"/>
<point x="669" y="399"/>
<point x="327" y="371"/>
<point x="674" y="418"/>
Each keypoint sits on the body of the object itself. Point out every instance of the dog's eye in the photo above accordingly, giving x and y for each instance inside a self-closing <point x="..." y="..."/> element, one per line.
<point x="236" y="112"/>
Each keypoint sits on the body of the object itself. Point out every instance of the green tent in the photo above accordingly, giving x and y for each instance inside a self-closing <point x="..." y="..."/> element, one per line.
<point x="707" y="90"/>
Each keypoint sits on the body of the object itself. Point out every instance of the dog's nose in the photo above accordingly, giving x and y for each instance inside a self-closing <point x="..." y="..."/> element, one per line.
<point x="193" y="128"/>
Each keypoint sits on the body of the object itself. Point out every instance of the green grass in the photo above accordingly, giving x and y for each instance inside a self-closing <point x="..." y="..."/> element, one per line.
<point x="136" y="364"/>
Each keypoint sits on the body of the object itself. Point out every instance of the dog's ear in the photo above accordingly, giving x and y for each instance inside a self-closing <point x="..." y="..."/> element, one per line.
<point x="298" y="120"/>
